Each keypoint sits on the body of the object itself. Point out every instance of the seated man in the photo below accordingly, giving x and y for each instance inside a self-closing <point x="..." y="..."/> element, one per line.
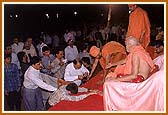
<point x="110" y="53"/>
<point x="159" y="49"/>
<point x="135" y="69"/>
<point x="137" y="66"/>
<point x="63" y="93"/>
<point x="75" y="72"/>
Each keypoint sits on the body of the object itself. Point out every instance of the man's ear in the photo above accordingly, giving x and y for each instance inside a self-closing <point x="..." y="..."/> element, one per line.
<point x="161" y="47"/>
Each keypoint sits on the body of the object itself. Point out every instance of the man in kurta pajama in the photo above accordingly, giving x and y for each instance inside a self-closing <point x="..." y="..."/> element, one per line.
<point x="139" y="25"/>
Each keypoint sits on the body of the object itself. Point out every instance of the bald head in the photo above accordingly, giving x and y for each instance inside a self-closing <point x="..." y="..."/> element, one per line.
<point x="132" y="7"/>
<point x="131" y="42"/>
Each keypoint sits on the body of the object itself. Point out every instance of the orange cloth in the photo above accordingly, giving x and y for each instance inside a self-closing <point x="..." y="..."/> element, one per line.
<point x="112" y="48"/>
<point x="151" y="51"/>
<point x="94" y="51"/>
<point x="127" y="68"/>
<point x="139" y="22"/>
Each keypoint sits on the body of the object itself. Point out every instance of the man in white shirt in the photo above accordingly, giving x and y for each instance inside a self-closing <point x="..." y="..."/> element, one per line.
<point x="71" y="51"/>
<point x="17" y="46"/>
<point x="69" y="35"/>
<point x="39" y="47"/>
<point x="32" y="96"/>
<point x="75" y="72"/>
<point x="29" y="50"/>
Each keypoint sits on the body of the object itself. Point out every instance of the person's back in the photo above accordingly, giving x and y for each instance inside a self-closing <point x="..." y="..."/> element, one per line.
<point x="144" y="68"/>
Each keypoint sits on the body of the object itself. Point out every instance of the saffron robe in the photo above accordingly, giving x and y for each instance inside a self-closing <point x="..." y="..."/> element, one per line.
<point x="139" y="23"/>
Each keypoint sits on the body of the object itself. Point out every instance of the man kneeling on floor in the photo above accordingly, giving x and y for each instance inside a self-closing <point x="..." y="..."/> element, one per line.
<point x="63" y="93"/>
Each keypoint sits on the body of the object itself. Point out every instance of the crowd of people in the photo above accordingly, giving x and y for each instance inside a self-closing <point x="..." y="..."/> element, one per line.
<point x="71" y="59"/>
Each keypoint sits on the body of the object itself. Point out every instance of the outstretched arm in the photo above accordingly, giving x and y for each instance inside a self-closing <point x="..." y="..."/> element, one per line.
<point x="93" y="68"/>
<point x="109" y="65"/>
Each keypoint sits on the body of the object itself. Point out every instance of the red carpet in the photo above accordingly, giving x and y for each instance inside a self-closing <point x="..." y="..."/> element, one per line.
<point x="91" y="103"/>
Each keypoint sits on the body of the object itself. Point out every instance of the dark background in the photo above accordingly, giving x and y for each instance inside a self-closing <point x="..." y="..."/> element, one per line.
<point x="31" y="18"/>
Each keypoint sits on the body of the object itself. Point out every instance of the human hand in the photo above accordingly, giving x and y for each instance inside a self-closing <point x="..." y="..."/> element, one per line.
<point x="91" y="93"/>
<point x="100" y="93"/>
<point x="108" y="66"/>
<point x="61" y="63"/>
<point x="85" y="74"/>
<point x="64" y="60"/>
<point x="49" y="67"/>
<point x="88" y="77"/>
<point x="112" y="79"/>
<point x="80" y="77"/>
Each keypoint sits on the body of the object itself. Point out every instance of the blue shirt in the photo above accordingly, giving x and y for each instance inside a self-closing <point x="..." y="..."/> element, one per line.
<point x="46" y="61"/>
<point x="11" y="77"/>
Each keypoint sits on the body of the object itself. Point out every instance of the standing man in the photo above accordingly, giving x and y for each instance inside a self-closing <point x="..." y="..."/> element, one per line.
<point x="12" y="84"/>
<point x="71" y="51"/>
<point x="139" y="25"/>
<point x="33" y="83"/>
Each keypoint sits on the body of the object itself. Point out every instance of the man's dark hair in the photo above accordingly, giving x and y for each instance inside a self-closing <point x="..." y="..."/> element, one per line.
<point x="7" y="46"/>
<point x="86" y="60"/>
<point x="7" y="56"/>
<point x="159" y="43"/>
<point x="72" y="87"/>
<point x="45" y="48"/>
<point x="84" y="46"/>
<point x="75" y="61"/>
<point x="57" y="50"/>
<point x="20" y="56"/>
<point x="34" y="60"/>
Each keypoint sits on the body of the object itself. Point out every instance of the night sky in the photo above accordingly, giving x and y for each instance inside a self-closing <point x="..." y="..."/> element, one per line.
<point x="30" y="19"/>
